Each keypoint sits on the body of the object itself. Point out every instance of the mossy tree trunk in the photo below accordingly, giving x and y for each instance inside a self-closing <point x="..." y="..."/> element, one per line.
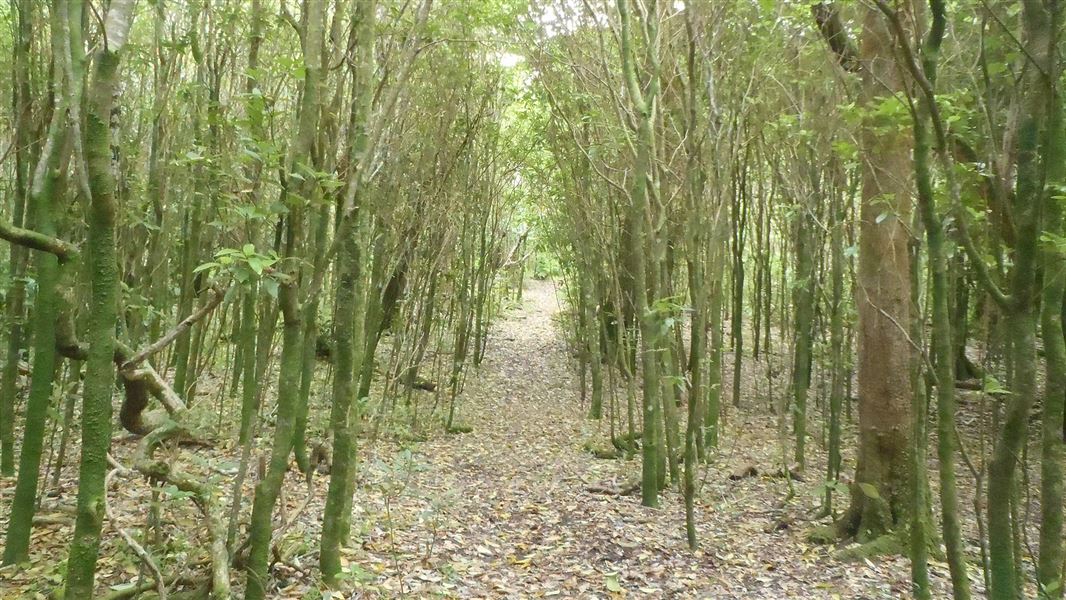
<point x="16" y="296"/>
<point x="48" y="184"/>
<point x="1041" y="22"/>
<point x="103" y="304"/>
<point x="643" y="246"/>
<point x="344" y="413"/>
<point x="299" y="174"/>
<point x="1050" y="561"/>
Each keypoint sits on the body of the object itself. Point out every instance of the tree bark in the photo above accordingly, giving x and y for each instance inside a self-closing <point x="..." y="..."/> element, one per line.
<point x="879" y="500"/>
<point x="103" y="306"/>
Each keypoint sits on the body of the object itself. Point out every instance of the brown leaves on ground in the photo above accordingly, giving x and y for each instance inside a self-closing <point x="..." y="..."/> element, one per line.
<point x="511" y="510"/>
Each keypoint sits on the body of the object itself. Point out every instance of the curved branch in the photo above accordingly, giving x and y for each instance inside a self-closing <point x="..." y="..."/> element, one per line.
<point x="203" y="495"/>
<point x="63" y="250"/>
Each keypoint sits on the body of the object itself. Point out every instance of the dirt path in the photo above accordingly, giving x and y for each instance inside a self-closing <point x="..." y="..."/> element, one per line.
<point x="504" y="511"/>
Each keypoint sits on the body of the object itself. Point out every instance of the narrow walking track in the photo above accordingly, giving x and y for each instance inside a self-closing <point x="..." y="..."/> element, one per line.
<point x="504" y="511"/>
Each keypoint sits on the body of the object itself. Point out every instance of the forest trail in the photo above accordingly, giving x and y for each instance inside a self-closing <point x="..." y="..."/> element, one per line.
<point x="505" y="511"/>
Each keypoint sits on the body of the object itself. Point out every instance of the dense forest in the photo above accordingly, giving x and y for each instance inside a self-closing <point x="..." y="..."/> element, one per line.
<point x="512" y="298"/>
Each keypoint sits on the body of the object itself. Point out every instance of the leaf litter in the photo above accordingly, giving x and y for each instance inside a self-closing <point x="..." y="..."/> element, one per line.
<point x="512" y="509"/>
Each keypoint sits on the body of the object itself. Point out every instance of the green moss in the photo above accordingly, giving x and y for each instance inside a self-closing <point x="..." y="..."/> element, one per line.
<point x="823" y="534"/>
<point x="885" y="545"/>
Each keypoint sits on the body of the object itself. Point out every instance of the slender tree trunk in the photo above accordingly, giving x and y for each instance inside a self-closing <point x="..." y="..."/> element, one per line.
<point x="48" y="183"/>
<point x="803" y="326"/>
<point x="16" y="295"/>
<point x="1050" y="563"/>
<point x="103" y="306"/>
<point x="942" y="345"/>
<point x="349" y="318"/>
<point x="836" y="349"/>
<point x="260" y="525"/>
<point x="1021" y="320"/>
<point x="299" y="161"/>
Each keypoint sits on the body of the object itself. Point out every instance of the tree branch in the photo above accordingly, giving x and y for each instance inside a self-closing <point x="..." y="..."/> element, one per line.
<point x="827" y="16"/>
<point x="218" y="294"/>
<point x="64" y="251"/>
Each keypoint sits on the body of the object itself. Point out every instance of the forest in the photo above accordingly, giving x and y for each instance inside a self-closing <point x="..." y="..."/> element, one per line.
<point x="324" y="299"/>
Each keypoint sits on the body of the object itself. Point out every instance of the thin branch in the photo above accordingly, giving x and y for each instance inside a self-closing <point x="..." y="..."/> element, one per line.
<point x="218" y="294"/>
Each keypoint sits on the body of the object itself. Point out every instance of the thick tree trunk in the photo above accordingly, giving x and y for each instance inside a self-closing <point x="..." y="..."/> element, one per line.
<point x="879" y="500"/>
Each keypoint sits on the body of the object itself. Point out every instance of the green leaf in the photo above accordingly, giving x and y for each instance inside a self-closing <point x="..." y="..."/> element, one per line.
<point x="257" y="264"/>
<point x="612" y="583"/>
<point x="271" y="287"/>
<point x="991" y="385"/>
<point x="870" y="491"/>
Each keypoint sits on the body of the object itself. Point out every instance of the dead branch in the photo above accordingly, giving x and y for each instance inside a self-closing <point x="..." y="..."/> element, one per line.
<point x="138" y="549"/>
<point x="203" y="496"/>
<point x="217" y="295"/>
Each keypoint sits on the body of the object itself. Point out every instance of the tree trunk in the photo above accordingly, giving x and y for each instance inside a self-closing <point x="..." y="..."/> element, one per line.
<point x="879" y="500"/>
<point x="48" y="183"/>
<point x="16" y="295"/>
<point x="103" y="305"/>
<point x="348" y="333"/>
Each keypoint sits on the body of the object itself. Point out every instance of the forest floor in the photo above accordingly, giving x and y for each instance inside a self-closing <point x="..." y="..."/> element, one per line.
<point x="515" y="509"/>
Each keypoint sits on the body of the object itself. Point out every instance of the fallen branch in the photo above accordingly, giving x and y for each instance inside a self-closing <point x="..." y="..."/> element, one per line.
<point x="52" y="520"/>
<point x="203" y="496"/>
<point x="612" y="490"/>
<point x="138" y="549"/>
